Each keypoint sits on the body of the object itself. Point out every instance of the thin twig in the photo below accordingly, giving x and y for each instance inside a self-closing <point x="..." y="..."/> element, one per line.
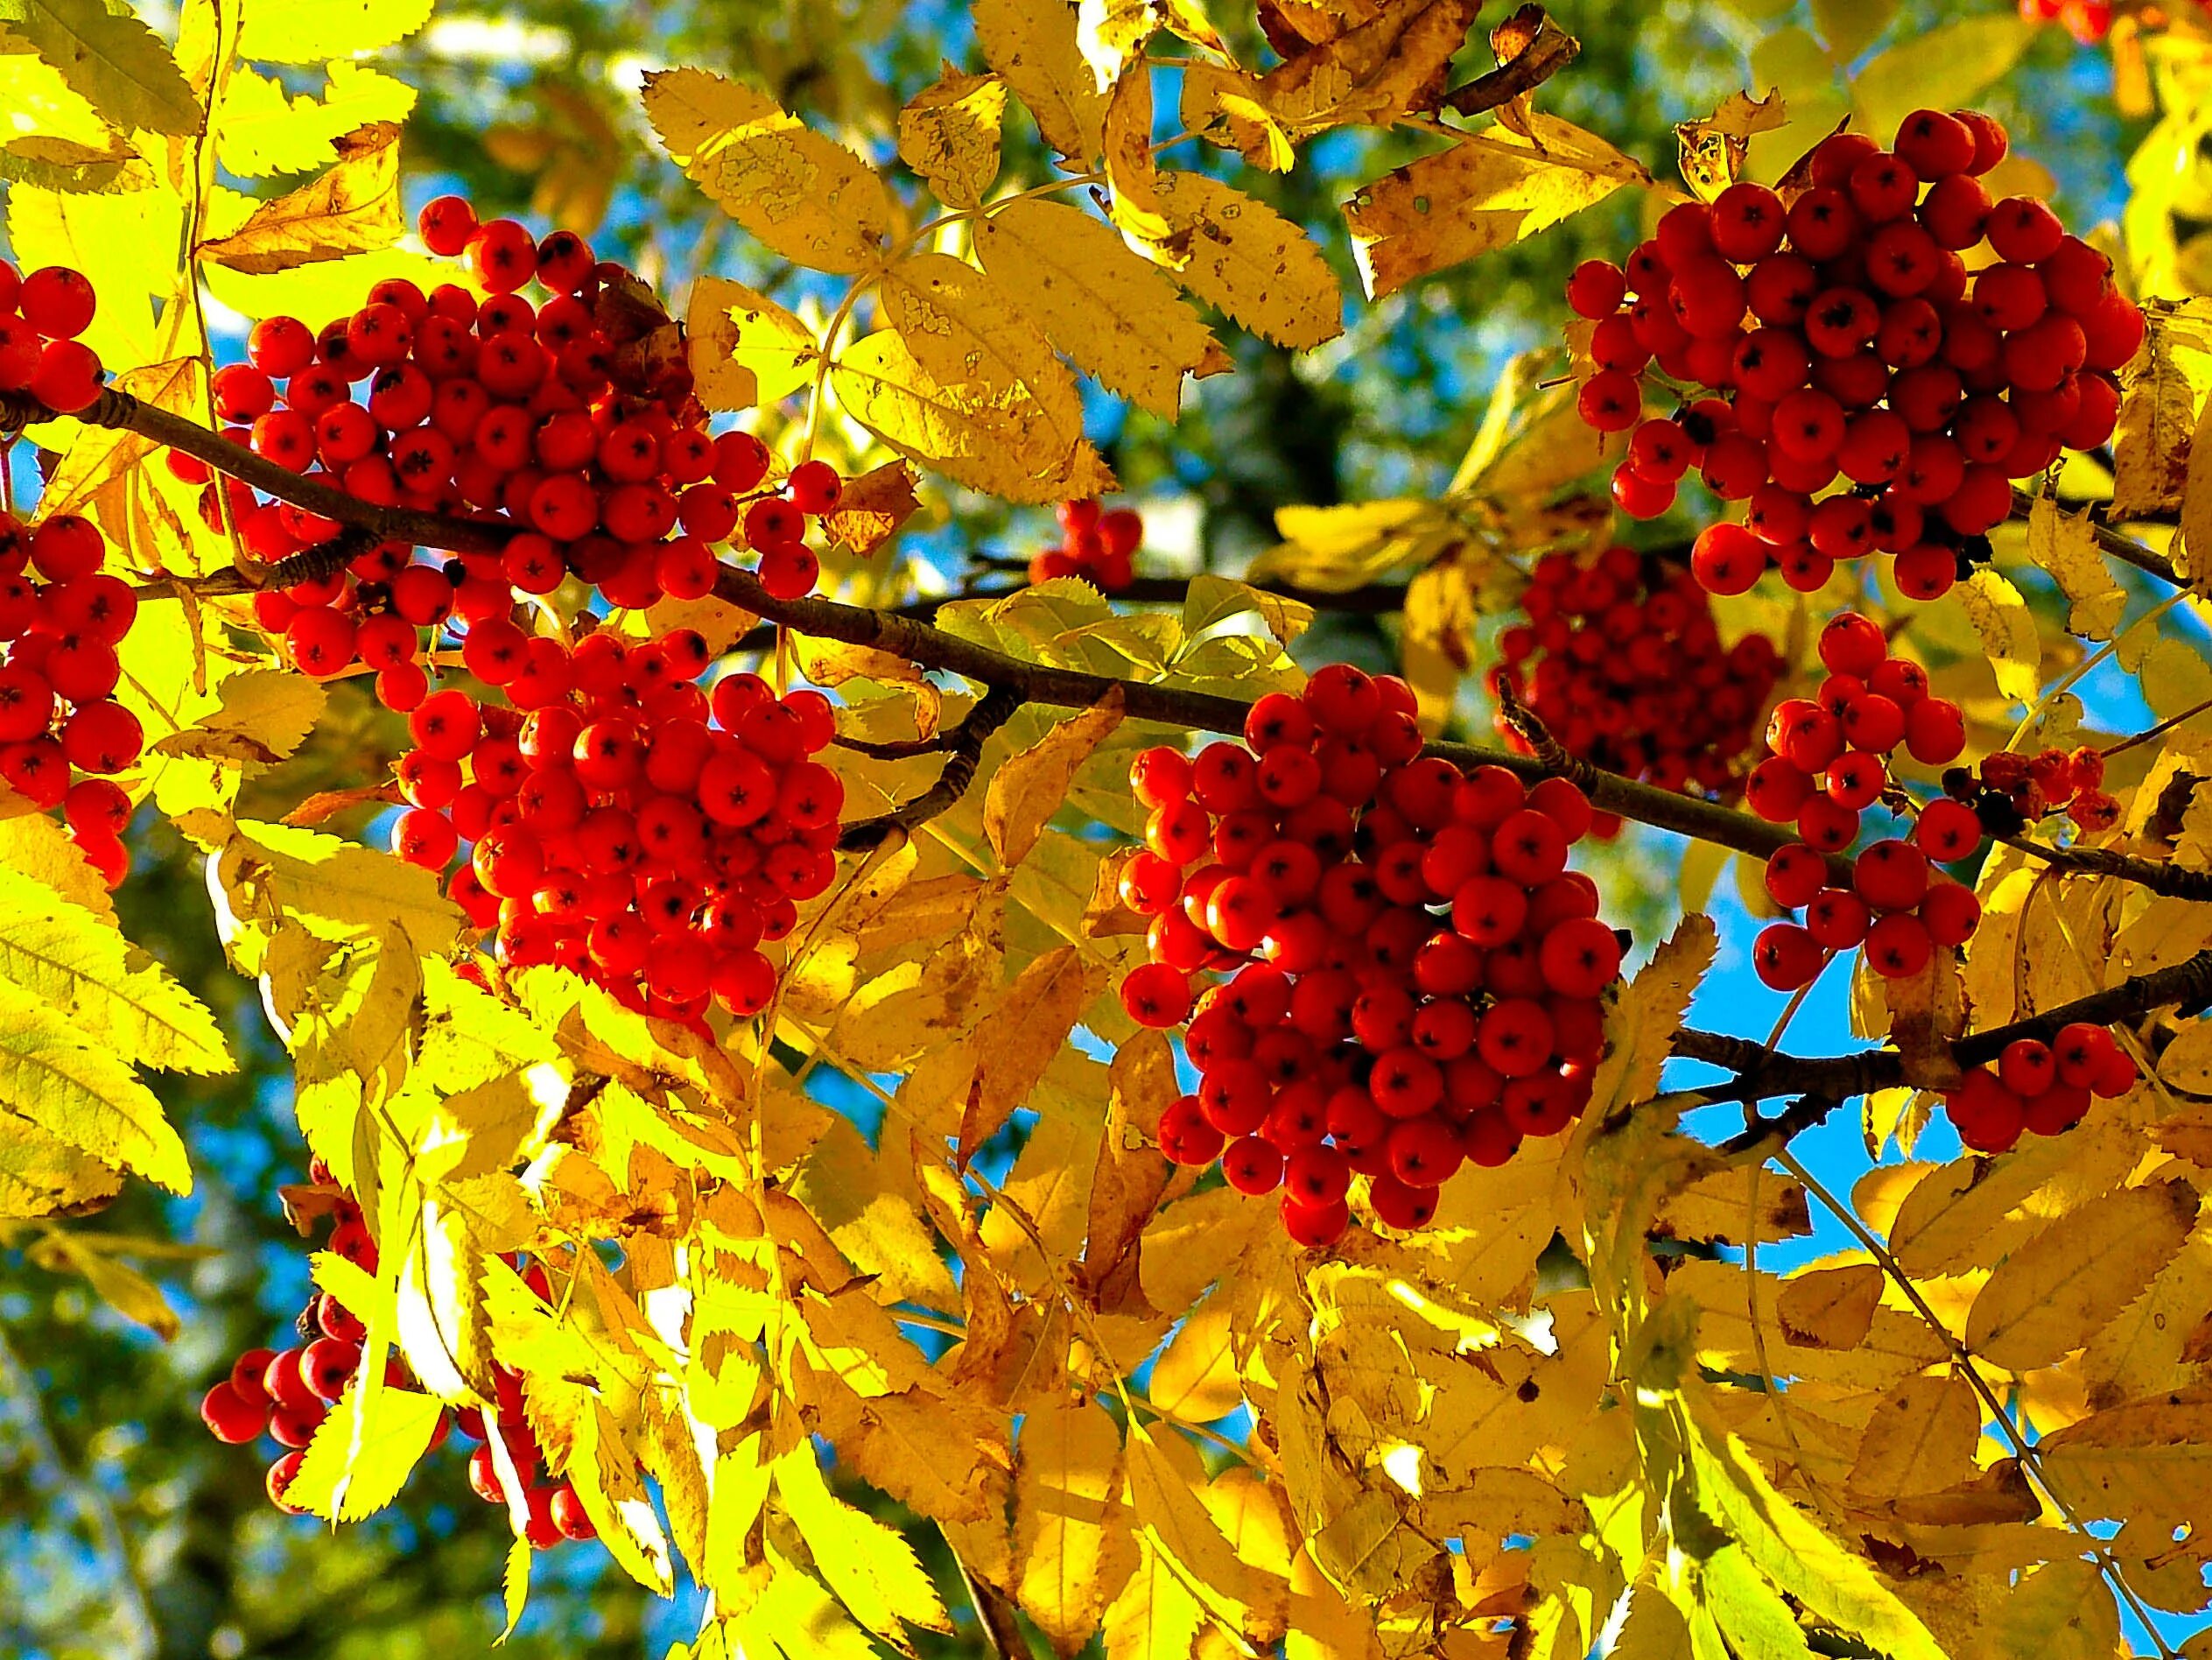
<point x="964" y="752"/>
<point x="2173" y="881"/>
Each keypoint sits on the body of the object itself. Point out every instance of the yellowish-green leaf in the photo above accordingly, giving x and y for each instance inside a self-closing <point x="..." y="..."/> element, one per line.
<point x="57" y="1078"/>
<point x="1242" y="256"/>
<point x="1487" y="192"/>
<point x="1940" y="67"/>
<point x="333" y="886"/>
<point x="316" y="31"/>
<point x="126" y="245"/>
<point x="1119" y="318"/>
<point x="51" y="121"/>
<point x="1032" y="45"/>
<point x="356" y="1465"/>
<point x="949" y="134"/>
<point x="873" y="1572"/>
<point x="111" y="58"/>
<point x="2007" y="630"/>
<point x="352" y="208"/>
<point x="34" y="846"/>
<point x="117" y="996"/>
<point x="745" y="348"/>
<point x="1029" y="788"/>
<point x="263" y="129"/>
<point x="2053" y="1295"/>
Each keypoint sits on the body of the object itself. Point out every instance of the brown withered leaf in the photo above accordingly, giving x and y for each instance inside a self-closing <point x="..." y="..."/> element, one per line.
<point x="1927" y="1011"/>
<point x="352" y="208"/>
<point x="873" y="507"/>
<point x="1104" y="913"/>
<point x="325" y="804"/>
<point x="1394" y="63"/>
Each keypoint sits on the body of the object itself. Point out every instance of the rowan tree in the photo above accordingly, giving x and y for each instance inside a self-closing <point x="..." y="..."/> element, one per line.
<point x="883" y="1053"/>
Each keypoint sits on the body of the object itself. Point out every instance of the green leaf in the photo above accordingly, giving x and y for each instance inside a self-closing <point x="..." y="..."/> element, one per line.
<point x="357" y="1465"/>
<point x="118" y="996"/>
<point x="54" y="1075"/>
<point x="119" y="65"/>
<point x="317" y="30"/>
<point x="260" y="130"/>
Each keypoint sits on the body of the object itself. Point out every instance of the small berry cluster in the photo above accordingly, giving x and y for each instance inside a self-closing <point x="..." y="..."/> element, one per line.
<point x="1099" y="546"/>
<point x="1836" y="333"/>
<point x="61" y="618"/>
<point x="1621" y="661"/>
<point x="41" y="316"/>
<point x="286" y="1395"/>
<point x="2010" y="792"/>
<point x="2090" y="21"/>
<point x="626" y="825"/>
<point x="1416" y="979"/>
<point x="1829" y="766"/>
<point x="564" y="421"/>
<point x="2044" y="1088"/>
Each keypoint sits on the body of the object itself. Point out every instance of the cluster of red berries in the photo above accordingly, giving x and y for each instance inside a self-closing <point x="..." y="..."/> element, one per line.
<point x="2090" y="21"/>
<point x="2010" y="791"/>
<point x="41" y="316"/>
<point x="626" y="823"/>
<point x="2044" y="1088"/>
<point x="1621" y="661"/>
<point x="565" y="422"/>
<point x="286" y="1394"/>
<point x="61" y="618"/>
<point x="1097" y="545"/>
<point x="1415" y="978"/>
<point x="1836" y="333"/>
<point x="1829" y="768"/>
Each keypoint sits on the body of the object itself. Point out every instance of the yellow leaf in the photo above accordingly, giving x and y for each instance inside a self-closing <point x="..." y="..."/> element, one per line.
<point x="871" y="1570"/>
<point x="319" y="879"/>
<point x="313" y="31"/>
<point x="34" y="846"/>
<point x="2196" y="502"/>
<point x="125" y="242"/>
<point x="1919" y="1439"/>
<point x="261" y="130"/>
<point x="871" y="508"/>
<point x="744" y="348"/>
<point x="2147" y="1461"/>
<point x="353" y="208"/>
<point x="1486" y="192"/>
<point x="1945" y="67"/>
<point x="1164" y="1478"/>
<point x="1347" y="546"/>
<point x="1831" y="1307"/>
<point x="1156" y="1616"/>
<point x="263" y="716"/>
<point x="1118" y="317"/>
<point x="1240" y="256"/>
<point x="1030" y="787"/>
<point x="1008" y="443"/>
<point x="1132" y="180"/>
<point x="1073" y="1549"/>
<point x="1131" y="1173"/>
<point x="2062" y="1611"/>
<point x="53" y="1075"/>
<point x="964" y="331"/>
<point x="604" y="1473"/>
<point x="2152" y="444"/>
<point x="949" y="134"/>
<point x="1715" y="148"/>
<point x="1031" y="45"/>
<point x="41" y="1175"/>
<point x="118" y="996"/>
<point x="2051" y="1296"/>
<point x="2007" y="630"/>
<point x="802" y="195"/>
<point x="870" y="1204"/>
<point x="2064" y="545"/>
<point x="357" y="1465"/>
<point x="110" y="58"/>
<point x="1020" y="1038"/>
<point x="1195" y="1378"/>
<point x="122" y="1287"/>
<point x="53" y="123"/>
<point x="329" y="288"/>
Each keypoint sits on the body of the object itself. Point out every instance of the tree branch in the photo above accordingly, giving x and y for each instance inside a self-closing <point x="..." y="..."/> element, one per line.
<point x="1544" y="50"/>
<point x="1823" y="1083"/>
<point x="2120" y="546"/>
<point x="963" y="751"/>
<point x="2171" y="880"/>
